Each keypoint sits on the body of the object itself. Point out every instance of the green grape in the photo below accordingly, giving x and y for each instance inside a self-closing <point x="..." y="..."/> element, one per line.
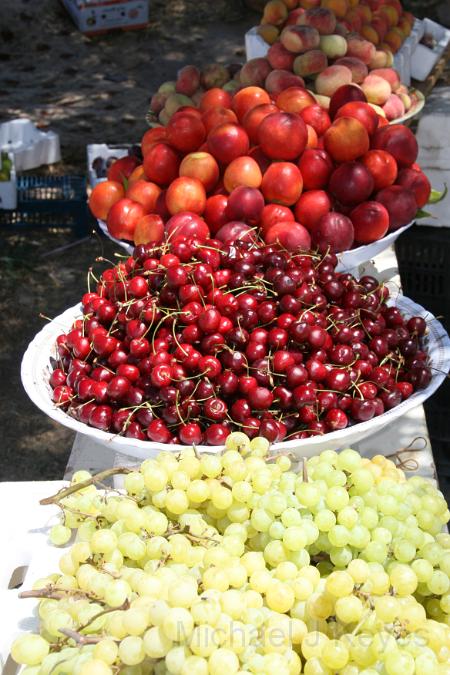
<point x="156" y="643"/>
<point x="294" y="538"/>
<point x="106" y="650"/>
<point x="339" y="584"/>
<point x="403" y="580"/>
<point x="280" y="597"/>
<point x="399" y="663"/>
<point x="103" y="541"/>
<point x="348" y="517"/>
<point x="349" y="609"/>
<point x="177" y="501"/>
<point x="60" y="535"/>
<point x="131" y="546"/>
<point x="335" y="655"/>
<point x="134" y="483"/>
<point x="386" y="608"/>
<point x="339" y="536"/>
<point x="29" y="649"/>
<point x="325" y="520"/>
<point x="337" y="498"/>
<point x="340" y="557"/>
<point x="348" y="460"/>
<point x="307" y="494"/>
<point x="94" y="667"/>
<point x="175" y="659"/>
<point x="375" y="552"/>
<point x="439" y="583"/>
<point x="131" y="650"/>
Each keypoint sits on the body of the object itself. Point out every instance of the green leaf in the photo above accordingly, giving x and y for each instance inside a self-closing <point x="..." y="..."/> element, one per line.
<point x="423" y="214"/>
<point x="436" y="196"/>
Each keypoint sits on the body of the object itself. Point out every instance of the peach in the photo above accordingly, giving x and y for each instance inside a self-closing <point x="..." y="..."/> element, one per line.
<point x="214" y="75"/>
<point x="254" y="72"/>
<point x="399" y="141"/>
<point x="186" y="194"/>
<point x="291" y="236"/>
<point x="376" y="88"/>
<point x="157" y="102"/>
<point x="343" y="95"/>
<point x="354" y="19"/>
<point x="360" y="48"/>
<point x="254" y="117"/>
<point x="299" y="39"/>
<point x="294" y="99"/>
<point x="379" y="60"/>
<point x="214" y="213"/>
<point x="311" y="206"/>
<point x="167" y="87"/>
<point x="145" y="193"/>
<point x="309" y="4"/>
<point x="389" y="74"/>
<point x="215" y="97"/>
<point x="245" y="204"/>
<point x="405" y="99"/>
<point x="268" y="33"/>
<point x="282" y="136"/>
<point x="228" y="141"/>
<point x="370" y="222"/>
<point x="248" y="98"/>
<point x="400" y="203"/>
<point x="319" y="18"/>
<point x="149" y="229"/>
<point x="332" y="78"/>
<point x="260" y="158"/>
<point x="360" y="111"/>
<point x="232" y="86"/>
<point x="316" y="167"/>
<point x="275" y="213"/>
<point x="368" y="32"/>
<point x="310" y="63"/>
<point x="394" y="39"/>
<point x="280" y="80"/>
<point x="280" y="58"/>
<point x="290" y="4"/>
<point x="174" y="102"/>
<point x="242" y="171"/>
<point x="188" y="80"/>
<point x="342" y="29"/>
<point x="365" y="13"/>
<point x="418" y="183"/>
<point x="161" y="164"/>
<point x="164" y="117"/>
<point x="382" y="166"/>
<point x="282" y="183"/>
<point x="346" y="139"/>
<point x="391" y="14"/>
<point x="404" y="26"/>
<point x="323" y="101"/>
<point x="185" y="132"/>
<point x="333" y="46"/>
<point x="351" y="183"/>
<point x="338" y="7"/>
<point x="275" y="12"/>
<point x="317" y="117"/>
<point x="215" y="116"/>
<point x="201" y="165"/>
<point x="358" y="68"/>
<point x="313" y="139"/>
<point x="394" y="107"/>
<point x="294" y="16"/>
<point x="381" y="26"/>
<point x="333" y="233"/>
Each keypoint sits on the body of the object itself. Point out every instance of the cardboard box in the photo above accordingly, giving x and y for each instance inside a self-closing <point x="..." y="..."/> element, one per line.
<point x="100" y="16"/>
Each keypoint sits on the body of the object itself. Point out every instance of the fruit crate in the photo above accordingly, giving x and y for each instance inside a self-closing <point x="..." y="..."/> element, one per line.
<point x="50" y="201"/>
<point x="423" y="254"/>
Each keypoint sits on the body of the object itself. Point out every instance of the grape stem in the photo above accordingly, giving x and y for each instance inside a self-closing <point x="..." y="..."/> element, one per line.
<point x="305" y="470"/>
<point x="52" y="593"/>
<point x="81" y="639"/>
<point x="98" y="477"/>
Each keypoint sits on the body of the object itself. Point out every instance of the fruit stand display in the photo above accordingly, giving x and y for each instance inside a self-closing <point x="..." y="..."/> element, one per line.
<point x="244" y="339"/>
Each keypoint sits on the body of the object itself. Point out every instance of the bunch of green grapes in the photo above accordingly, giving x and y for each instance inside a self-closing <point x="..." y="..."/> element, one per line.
<point x="237" y="564"/>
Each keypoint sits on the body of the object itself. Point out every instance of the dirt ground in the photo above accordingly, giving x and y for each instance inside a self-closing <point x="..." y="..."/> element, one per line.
<point x="88" y="91"/>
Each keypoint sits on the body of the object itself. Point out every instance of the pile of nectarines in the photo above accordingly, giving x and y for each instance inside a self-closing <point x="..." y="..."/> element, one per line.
<point x="281" y="168"/>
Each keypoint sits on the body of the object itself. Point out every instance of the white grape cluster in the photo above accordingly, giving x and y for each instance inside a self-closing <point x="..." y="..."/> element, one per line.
<point x="236" y="564"/>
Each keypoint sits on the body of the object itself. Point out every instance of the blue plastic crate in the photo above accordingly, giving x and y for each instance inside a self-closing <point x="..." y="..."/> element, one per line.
<point x="50" y="201"/>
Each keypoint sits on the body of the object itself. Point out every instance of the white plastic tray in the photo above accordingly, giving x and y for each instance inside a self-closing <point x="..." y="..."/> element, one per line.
<point x="30" y="146"/>
<point x="129" y="248"/>
<point x="8" y="188"/>
<point x="26" y="553"/>
<point x="94" y="150"/>
<point x="36" y="369"/>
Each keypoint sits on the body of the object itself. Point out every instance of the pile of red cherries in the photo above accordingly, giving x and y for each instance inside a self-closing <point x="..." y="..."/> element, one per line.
<point x="186" y="342"/>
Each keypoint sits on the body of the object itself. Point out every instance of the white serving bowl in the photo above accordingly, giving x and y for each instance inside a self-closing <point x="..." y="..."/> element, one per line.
<point x="348" y="260"/>
<point x="36" y="369"/>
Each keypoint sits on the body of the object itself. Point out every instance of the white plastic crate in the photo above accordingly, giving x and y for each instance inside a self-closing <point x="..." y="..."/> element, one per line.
<point x="30" y="146"/>
<point x="255" y="46"/>
<point x="26" y="555"/>
<point x="8" y="188"/>
<point x="424" y="58"/>
<point x="99" y="16"/>
<point x="103" y="153"/>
